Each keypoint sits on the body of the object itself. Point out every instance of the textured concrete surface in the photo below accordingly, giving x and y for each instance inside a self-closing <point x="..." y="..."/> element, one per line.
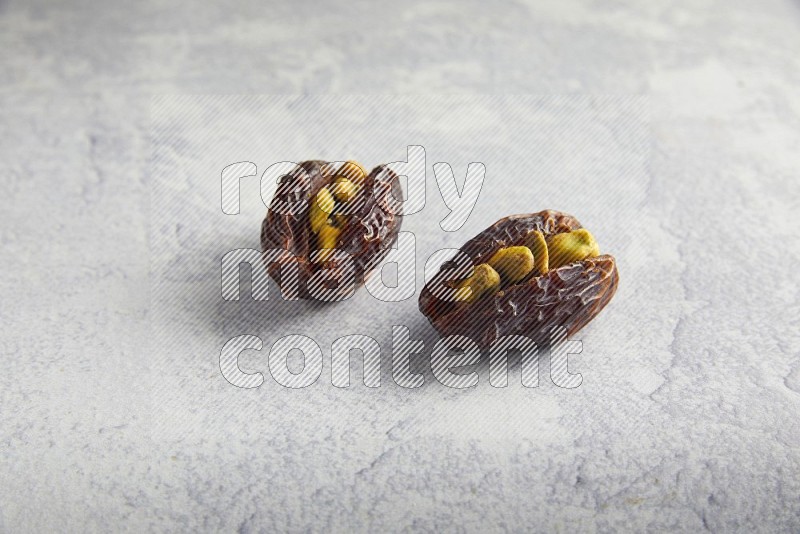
<point x="687" y="418"/>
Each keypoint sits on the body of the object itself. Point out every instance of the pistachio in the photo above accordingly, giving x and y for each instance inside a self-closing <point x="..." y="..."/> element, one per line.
<point x="571" y="246"/>
<point x="343" y="189"/>
<point x="512" y="263"/>
<point x="328" y="236"/>
<point x="353" y="172"/>
<point x="321" y="207"/>
<point x="535" y="241"/>
<point x="327" y="239"/>
<point x="484" y="280"/>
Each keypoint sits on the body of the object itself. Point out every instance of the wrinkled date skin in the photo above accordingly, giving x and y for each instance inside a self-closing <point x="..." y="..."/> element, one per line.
<point x="568" y="296"/>
<point x="373" y="222"/>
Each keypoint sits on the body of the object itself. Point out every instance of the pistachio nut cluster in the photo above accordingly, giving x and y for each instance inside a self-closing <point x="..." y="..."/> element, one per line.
<point x="539" y="254"/>
<point x="327" y="214"/>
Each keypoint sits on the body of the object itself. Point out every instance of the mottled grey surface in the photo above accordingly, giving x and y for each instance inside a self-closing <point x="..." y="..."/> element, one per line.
<point x="687" y="418"/>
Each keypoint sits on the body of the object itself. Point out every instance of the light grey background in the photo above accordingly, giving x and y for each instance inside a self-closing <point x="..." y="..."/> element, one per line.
<point x="687" y="418"/>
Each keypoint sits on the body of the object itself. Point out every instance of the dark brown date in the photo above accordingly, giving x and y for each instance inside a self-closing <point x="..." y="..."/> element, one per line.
<point x="513" y="290"/>
<point x="319" y="207"/>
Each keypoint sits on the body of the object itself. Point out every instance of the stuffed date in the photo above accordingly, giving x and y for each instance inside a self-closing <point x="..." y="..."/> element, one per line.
<point x="523" y="275"/>
<point x="334" y="218"/>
